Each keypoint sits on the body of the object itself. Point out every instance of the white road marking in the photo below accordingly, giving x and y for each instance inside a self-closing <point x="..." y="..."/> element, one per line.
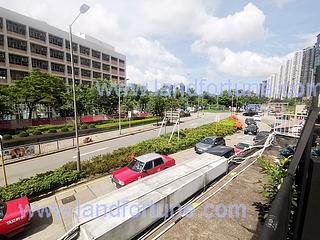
<point x="87" y="153"/>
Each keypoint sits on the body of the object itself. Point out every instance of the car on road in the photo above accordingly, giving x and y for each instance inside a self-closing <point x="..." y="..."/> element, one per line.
<point x="222" y="151"/>
<point x="251" y="129"/>
<point x="140" y="167"/>
<point x="209" y="142"/>
<point x="262" y="135"/>
<point x="249" y="113"/>
<point x="257" y="118"/>
<point x="241" y="146"/>
<point x="14" y="216"/>
<point x="250" y="121"/>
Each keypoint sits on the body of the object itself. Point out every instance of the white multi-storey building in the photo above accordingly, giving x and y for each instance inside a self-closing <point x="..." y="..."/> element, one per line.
<point x="285" y="83"/>
<point x="26" y="43"/>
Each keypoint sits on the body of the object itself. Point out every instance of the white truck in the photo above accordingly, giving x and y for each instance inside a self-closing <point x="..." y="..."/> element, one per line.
<point x="128" y="211"/>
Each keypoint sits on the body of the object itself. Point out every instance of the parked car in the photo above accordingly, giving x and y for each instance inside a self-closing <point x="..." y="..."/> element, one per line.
<point x="222" y="151"/>
<point x="14" y="216"/>
<point x="249" y="113"/>
<point x="140" y="167"/>
<point x="257" y="118"/>
<point x="241" y="146"/>
<point x="209" y="142"/>
<point x="261" y="136"/>
<point x="250" y="121"/>
<point x="253" y="129"/>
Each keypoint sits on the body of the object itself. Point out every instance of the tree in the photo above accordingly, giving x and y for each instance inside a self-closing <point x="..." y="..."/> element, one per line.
<point x="38" y="88"/>
<point x="156" y="104"/>
<point x="6" y="105"/>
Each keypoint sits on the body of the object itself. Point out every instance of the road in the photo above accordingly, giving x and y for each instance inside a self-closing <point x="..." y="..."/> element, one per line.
<point x="42" y="164"/>
<point x="60" y="219"/>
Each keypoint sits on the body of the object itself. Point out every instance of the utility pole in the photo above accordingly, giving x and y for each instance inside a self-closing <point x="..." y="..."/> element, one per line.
<point x="3" y="163"/>
<point x="83" y="9"/>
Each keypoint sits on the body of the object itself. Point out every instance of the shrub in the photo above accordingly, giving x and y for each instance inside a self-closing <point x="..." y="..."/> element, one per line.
<point x="67" y="174"/>
<point x="92" y="125"/>
<point x="7" y="137"/>
<point x="23" y="134"/>
<point x="65" y="129"/>
<point x="37" y="132"/>
<point x="52" y="131"/>
<point x="40" y="184"/>
<point x="84" y="126"/>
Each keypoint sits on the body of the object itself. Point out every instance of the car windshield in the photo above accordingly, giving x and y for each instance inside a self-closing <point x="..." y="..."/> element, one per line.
<point x="136" y="165"/>
<point x="3" y="209"/>
<point x="207" y="141"/>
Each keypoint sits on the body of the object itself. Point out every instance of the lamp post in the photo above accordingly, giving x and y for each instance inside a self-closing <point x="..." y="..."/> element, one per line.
<point x="2" y="162"/>
<point x="83" y="9"/>
<point x="119" y="105"/>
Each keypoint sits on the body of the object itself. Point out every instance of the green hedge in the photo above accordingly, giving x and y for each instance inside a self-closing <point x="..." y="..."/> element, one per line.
<point x="124" y="123"/>
<point x="106" y="163"/>
<point x="40" y="183"/>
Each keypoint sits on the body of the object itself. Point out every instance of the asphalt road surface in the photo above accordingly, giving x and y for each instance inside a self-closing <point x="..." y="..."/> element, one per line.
<point x="42" y="164"/>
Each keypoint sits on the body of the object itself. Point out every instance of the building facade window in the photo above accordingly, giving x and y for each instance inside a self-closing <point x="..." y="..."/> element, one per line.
<point x="37" y="63"/>
<point x="106" y="76"/>
<point x="95" y="54"/>
<point x="76" y="70"/>
<point x="114" y="61"/>
<point x="18" y="75"/>
<point x="84" y="50"/>
<point x="1" y="23"/>
<point x="2" y="57"/>
<point x="16" y="27"/>
<point x="37" y="34"/>
<point x="38" y="49"/>
<point x="96" y="75"/>
<point x="85" y="73"/>
<point x="105" y="57"/>
<point x="106" y="67"/>
<point x="17" y="44"/>
<point x="18" y="60"/>
<point x="75" y="45"/>
<point x="121" y="72"/>
<point x="58" y="41"/>
<point x="75" y="58"/>
<point x="56" y="54"/>
<point x="57" y="67"/>
<point x="121" y="63"/>
<point x="3" y="74"/>
<point x="1" y="40"/>
<point x="85" y="61"/>
<point x="96" y="65"/>
<point x="114" y="70"/>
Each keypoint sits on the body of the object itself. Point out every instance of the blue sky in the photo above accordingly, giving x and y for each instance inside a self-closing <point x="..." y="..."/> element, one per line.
<point x="182" y="40"/>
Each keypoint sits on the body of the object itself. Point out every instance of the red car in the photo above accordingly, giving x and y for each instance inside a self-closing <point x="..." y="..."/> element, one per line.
<point x="14" y="216"/>
<point x="240" y="147"/>
<point x="140" y="167"/>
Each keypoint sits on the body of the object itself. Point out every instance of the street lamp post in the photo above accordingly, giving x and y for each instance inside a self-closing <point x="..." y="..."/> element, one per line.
<point x="2" y="162"/>
<point x="119" y="105"/>
<point x="83" y="9"/>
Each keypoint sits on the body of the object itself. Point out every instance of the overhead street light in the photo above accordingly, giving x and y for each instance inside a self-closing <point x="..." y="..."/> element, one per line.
<point x="83" y="9"/>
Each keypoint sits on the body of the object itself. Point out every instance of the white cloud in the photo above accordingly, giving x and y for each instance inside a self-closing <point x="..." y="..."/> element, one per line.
<point x="240" y="64"/>
<point x="152" y="62"/>
<point x="243" y="26"/>
<point x="131" y="26"/>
